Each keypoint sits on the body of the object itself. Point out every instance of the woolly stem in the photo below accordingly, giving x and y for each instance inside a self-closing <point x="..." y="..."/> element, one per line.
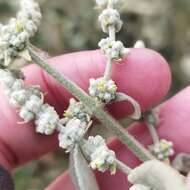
<point x="151" y="120"/>
<point x="153" y="132"/>
<point x="108" y="70"/>
<point x="97" y="111"/>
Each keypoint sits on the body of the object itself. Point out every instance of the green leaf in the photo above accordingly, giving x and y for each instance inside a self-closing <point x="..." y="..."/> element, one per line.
<point x="81" y="174"/>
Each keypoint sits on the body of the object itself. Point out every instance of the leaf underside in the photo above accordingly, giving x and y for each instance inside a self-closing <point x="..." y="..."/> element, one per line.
<point x="82" y="176"/>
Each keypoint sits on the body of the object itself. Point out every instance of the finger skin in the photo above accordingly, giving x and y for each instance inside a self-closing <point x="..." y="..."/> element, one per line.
<point x="141" y="69"/>
<point x="174" y="126"/>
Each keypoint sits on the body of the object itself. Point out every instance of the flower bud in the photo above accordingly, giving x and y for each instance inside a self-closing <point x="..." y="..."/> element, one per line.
<point x="110" y="18"/>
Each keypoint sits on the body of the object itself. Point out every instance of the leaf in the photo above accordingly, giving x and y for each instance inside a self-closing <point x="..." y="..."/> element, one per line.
<point x="137" y="110"/>
<point x="157" y="175"/>
<point x="82" y="175"/>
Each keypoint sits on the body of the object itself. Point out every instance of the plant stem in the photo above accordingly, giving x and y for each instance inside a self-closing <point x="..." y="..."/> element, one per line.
<point x="97" y="111"/>
<point x="151" y="123"/>
<point x="153" y="132"/>
<point x="108" y="70"/>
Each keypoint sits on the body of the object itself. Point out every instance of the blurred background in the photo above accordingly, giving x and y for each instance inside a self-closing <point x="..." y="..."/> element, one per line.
<point x="69" y="26"/>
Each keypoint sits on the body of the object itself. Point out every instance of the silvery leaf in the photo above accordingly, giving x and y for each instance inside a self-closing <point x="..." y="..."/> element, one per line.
<point x="157" y="175"/>
<point x="82" y="175"/>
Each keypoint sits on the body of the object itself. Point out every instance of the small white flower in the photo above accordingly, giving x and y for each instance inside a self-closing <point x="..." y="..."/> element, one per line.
<point x="103" y="90"/>
<point x="9" y="82"/>
<point x="29" y="104"/>
<point x="72" y="133"/>
<point x="110" y="17"/>
<point x="17" y="85"/>
<point x="6" y="79"/>
<point x="34" y="104"/>
<point x="18" y="98"/>
<point x="26" y="115"/>
<point x="77" y="110"/>
<point x="101" y="157"/>
<point x="30" y="16"/>
<point x="46" y="120"/>
<point x="162" y="150"/>
<point x="15" y="35"/>
<point x="114" y="50"/>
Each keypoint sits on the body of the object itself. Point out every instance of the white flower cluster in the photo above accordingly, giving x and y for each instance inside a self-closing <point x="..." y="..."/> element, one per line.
<point x="74" y="125"/>
<point x="29" y="16"/>
<point x="15" y="35"/>
<point x="101" y="157"/>
<point x="71" y="133"/>
<point x="112" y="49"/>
<point x="102" y="89"/>
<point x="108" y="18"/>
<point x="29" y="100"/>
<point x="162" y="150"/>
<point x="103" y="3"/>
<point x="140" y="187"/>
<point x="77" y="110"/>
<point x="47" y="120"/>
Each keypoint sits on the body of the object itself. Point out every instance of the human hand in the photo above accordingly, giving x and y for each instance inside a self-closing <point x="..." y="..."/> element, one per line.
<point x="144" y="75"/>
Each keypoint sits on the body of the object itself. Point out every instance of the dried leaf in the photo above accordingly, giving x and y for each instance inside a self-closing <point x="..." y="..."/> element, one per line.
<point x="137" y="110"/>
<point x="157" y="175"/>
<point x="82" y="175"/>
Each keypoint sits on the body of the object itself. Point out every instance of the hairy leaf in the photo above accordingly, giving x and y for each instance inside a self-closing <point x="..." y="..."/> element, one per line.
<point x="81" y="174"/>
<point x="158" y="176"/>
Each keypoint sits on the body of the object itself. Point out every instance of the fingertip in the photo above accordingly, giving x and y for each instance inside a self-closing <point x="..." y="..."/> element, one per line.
<point x="144" y="75"/>
<point x="174" y="120"/>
